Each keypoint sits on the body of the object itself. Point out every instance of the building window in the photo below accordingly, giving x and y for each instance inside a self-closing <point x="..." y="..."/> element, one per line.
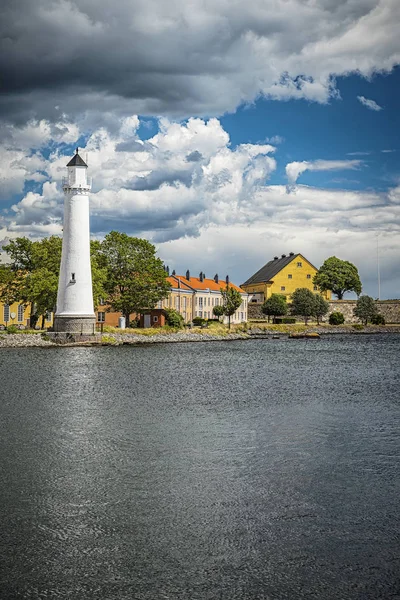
<point x="299" y="264"/>
<point x="6" y="312"/>
<point x="289" y="277"/>
<point x="101" y="302"/>
<point x="184" y="302"/>
<point x="241" y="316"/>
<point x="209" y="301"/>
<point x="282" y="288"/>
<point x="101" y="317"/>
<point x="155" y="319"/>
<point x="315" y="288"/>
<point x="177" y="303"/>
<point x="21" y="309"/>
<point x="200" y="303"/>
<point x="200" y="313"/>
<point x="308" y="276"/>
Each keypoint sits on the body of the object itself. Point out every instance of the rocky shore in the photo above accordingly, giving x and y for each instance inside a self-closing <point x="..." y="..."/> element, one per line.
<point x="27" y="340"/>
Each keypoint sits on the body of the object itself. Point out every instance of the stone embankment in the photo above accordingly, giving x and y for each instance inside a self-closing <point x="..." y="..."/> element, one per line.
<point x="25" y="340"/>
<point x="117" y="339"/>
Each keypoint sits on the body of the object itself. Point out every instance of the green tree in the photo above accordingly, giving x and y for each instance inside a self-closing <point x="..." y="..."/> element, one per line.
<point x="365" y="309"/>
<point x="99" y="272"/>
<point x="275" y="306"/>
<point x="218" y="311"/>
<point x="338" y="276"/>
<point x="321" y="307"/>
<point x="231" y="300"/>
<point x="136" y="279"/>
<point x="303" y="303"/>
<point x="36" y="267"/>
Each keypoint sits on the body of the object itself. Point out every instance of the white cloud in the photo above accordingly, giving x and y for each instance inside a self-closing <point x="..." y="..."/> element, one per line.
<point x="295" y="169"/>
<point x="371" y="104"/>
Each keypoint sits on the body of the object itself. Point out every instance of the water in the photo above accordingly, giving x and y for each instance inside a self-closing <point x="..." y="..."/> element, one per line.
<point x="235" y="471"/>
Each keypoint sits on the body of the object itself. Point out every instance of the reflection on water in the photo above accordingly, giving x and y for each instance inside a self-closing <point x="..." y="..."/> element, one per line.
<point x="241" y="470"/>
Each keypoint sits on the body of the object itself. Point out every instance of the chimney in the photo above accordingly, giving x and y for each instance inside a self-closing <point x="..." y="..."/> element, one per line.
<point x="283" y="255"/>
<point x="167" y="269"/>
<point x="188" y="275"/>
<point x="291" y="253"/>
<point x="275" y="257"/>
<point x="174" y="272"/>
<point x="201" y="276"/>
<point x="227" y="280"/>
<point x="216" y="278"/>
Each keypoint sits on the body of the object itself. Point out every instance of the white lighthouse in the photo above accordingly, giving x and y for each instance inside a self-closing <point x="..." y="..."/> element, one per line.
<point x="75" y="313"/>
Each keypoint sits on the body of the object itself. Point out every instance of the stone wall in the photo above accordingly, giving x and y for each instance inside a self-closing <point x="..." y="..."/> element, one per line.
<point x="390" y="309"/>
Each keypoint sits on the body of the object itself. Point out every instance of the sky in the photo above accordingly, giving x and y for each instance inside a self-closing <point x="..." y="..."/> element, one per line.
<point x="225" y="132"/>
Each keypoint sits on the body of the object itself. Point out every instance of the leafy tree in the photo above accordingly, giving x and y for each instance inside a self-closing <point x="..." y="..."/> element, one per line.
<point x="336" y="318"/>
<point x="231" y="300"/>
<point x="36" y="268"/>
<point x="365" y="309"/>
<point x="136" y="279"/>
<point x="99" y="271"/>
<point x="338" y="276"/>
<point x="218" y="311"/>
<point x="321" y="307"/>
<point x="275" y="306"/>
<point x="303" y="303"/>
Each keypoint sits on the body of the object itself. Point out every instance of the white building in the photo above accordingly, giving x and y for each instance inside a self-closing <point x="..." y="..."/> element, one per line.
<point x="75" y="311"/>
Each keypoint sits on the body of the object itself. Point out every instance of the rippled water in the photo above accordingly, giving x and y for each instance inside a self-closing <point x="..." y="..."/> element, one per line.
<point x="242" y="470"/>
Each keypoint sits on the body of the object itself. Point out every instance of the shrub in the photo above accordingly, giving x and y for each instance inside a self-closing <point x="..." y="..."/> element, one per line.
<point x="378" y="320"/>
<point x="336" y="318"/>
<point x="279" y="320"/>
<point x="358" y="326"/>
<point x="174" y="319"/>
<point x="198" y="321"/>
<point x="12" y="329"/>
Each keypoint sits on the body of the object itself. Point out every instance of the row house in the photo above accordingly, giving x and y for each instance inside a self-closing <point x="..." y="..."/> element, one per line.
<point x="197" y="296"/>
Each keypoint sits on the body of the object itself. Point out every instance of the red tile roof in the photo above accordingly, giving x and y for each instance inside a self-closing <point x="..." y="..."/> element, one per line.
<point x="207" y="284"/>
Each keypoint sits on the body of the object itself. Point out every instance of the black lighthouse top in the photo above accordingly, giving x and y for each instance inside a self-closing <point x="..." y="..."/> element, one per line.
<point x="76" y="161"/>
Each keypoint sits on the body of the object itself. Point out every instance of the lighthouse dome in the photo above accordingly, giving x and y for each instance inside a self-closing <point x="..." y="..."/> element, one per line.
<point x="76" y="161"/>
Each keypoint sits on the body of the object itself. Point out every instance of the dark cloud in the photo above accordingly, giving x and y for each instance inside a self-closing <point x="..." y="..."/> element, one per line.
<point x="194" y="156"/>
<point x="156" y="58"/>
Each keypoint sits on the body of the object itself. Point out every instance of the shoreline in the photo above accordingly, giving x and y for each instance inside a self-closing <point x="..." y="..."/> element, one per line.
<point x="38" y="340"/>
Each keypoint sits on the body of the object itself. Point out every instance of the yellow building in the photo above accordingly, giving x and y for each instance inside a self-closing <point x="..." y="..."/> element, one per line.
<point x="14" y="314"/>
<point x="181" y="298"/>
<point x="282" y="276"/>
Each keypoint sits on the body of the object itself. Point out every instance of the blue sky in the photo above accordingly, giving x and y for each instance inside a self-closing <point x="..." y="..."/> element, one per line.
<point x="223" y="136"/>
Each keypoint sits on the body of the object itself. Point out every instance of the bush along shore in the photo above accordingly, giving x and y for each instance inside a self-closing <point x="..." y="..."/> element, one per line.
<point x="115" y="337"/>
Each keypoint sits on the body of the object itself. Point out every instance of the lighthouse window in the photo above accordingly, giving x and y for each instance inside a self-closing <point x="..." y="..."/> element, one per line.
<point x="73" y="277"/>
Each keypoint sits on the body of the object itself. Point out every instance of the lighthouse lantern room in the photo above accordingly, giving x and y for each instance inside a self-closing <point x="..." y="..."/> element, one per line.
<point x="75" y="312"/>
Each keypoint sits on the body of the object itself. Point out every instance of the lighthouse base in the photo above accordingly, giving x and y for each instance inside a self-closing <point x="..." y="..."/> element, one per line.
<point x="78" y="324"/>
